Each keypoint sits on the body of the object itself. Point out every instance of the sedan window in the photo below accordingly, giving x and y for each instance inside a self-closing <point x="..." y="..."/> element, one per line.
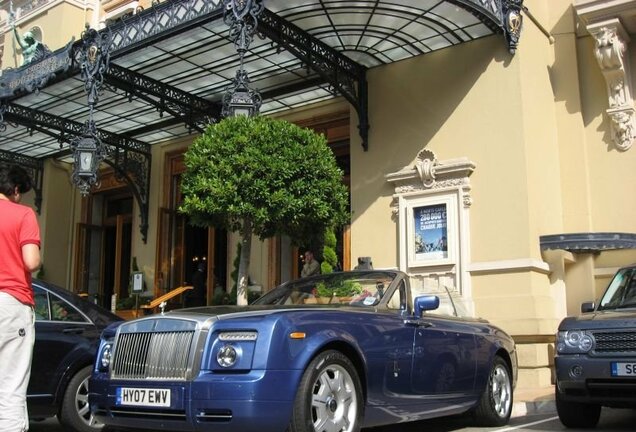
<point x="52" y="308"/>
<point x="62" y="311"/>
<point x="41" y="304"/>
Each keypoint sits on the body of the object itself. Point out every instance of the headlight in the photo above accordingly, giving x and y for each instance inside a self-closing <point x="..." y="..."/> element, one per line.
<point x="227" y="356"/>
<point x="105" y="356"/>
<point x="574" y="341"/>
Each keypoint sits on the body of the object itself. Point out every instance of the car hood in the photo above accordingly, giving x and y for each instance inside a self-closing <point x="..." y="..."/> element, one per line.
<point x="205" y="315"/>
<point x="623" y="318"/>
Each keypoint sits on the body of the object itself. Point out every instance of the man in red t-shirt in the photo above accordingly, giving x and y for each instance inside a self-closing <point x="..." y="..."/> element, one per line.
<point x="19" y="256"/>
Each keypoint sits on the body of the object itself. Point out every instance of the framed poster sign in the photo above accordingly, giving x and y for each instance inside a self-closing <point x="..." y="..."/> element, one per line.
<point x="431" y="232"/>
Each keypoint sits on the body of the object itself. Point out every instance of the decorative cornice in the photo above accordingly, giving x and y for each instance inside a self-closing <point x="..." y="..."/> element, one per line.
<point x="430" y="174"/>
<point x="613" y="58"/>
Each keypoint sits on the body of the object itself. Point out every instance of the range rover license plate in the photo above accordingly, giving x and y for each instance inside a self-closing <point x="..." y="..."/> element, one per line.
<point x="623" y="369"/>
<point x="148" y="397"/>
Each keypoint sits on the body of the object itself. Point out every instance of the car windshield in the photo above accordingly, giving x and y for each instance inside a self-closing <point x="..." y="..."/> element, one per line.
<point x="621" y="292"/>
<point x="357" y="288"/>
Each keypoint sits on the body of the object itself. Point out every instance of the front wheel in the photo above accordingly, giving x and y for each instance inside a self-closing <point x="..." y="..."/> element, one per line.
<point x="495" y="405"/>
<point x="329" y="397"/>
<point x="575" y="414"/>
<point x="75" y="413"/>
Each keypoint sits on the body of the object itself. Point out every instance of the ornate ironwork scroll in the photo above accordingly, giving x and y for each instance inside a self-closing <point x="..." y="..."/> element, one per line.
<point x="93" y="58"/>
<point x="3" y="109"/>
<point x="512" y="22"/>
<point x="242" y="18"/>
<point x="134" y="169"/>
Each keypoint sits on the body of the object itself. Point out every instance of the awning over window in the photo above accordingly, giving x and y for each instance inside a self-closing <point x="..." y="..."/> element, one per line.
<point x="588" y="242"/>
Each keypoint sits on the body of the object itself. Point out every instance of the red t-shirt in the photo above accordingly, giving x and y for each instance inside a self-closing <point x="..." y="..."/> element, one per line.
<point x="18" y="226"/>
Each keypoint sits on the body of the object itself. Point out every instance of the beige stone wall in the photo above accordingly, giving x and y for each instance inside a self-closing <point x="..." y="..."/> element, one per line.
<point x="59" y="200"/>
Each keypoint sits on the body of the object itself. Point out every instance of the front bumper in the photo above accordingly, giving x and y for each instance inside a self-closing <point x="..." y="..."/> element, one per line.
<point x="256" y="401"/>
<point x="587" y="379"/>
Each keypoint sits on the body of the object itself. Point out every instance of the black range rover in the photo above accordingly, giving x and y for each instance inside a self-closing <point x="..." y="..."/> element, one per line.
<point x="596" y="355"/>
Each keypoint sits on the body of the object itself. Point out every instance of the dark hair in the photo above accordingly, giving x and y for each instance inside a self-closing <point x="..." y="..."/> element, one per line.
<point x="14" y="176"/>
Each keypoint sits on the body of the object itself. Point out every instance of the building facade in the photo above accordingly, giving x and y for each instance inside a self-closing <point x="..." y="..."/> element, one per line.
<point x="502" y="178"/>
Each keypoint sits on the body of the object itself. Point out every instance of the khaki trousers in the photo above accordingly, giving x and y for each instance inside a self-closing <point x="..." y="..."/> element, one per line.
<point x="17" y="335"/>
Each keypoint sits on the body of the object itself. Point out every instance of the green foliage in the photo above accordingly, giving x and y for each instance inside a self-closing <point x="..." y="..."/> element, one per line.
<point x="282" y="178"/>
<point x="125" y="303"/>
<point x="329" y="257"/>
<point x="346" y="288"/>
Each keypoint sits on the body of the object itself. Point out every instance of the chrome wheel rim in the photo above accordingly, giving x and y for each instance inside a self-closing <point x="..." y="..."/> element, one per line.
<point x="334" y="404"/>
<point x="83" y="408"/>
<point x="501" y="391"/>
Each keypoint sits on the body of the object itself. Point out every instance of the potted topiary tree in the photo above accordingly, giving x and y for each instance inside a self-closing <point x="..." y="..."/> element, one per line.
<point x="259" y="176"/>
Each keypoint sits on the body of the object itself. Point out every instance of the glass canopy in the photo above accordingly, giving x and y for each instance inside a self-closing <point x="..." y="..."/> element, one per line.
<point x="178" y="51"/>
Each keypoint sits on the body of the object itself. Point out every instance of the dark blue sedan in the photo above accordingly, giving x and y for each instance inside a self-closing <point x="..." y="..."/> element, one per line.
<point x="333" y="352"/>
<point x="67" y="330"/>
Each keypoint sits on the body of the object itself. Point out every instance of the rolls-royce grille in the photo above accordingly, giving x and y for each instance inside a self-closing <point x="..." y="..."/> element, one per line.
<point x="160" y="355"/>
<point x="615" y="342"/>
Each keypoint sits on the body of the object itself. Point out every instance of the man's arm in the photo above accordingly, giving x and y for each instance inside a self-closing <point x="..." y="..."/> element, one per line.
<point x="31" y="257"/>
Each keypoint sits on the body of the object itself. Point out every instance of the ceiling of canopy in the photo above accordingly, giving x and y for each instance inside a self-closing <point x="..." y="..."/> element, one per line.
<point x="178" y="54"/>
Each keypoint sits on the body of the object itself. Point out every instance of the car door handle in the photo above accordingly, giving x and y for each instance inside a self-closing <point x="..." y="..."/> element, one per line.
<point x="76" y="330"/>
<point x="418" y="323"/>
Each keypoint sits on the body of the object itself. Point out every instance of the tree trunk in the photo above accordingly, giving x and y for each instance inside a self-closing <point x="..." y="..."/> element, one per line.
<point x="244" y="263"/>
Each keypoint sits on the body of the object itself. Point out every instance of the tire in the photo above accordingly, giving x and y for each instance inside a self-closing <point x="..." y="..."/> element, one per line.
<point x="74" y="413"/>
<point x="495" y="404"/>
<point x="576" y="414"/>
<point x="329" y="396"/>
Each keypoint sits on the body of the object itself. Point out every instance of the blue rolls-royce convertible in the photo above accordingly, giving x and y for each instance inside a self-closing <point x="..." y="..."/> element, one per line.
<point x="334" y="352"/>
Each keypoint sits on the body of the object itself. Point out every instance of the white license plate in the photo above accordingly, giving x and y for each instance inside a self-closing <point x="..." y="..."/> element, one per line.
<point x="623" y="369"/>
<point x="148" y="397"/>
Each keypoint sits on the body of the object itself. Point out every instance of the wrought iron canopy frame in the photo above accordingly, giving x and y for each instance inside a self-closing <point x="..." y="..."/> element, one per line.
<point x="129" y="157"/>
<point x="334" y="55"/>
<point x="194" y="111"/>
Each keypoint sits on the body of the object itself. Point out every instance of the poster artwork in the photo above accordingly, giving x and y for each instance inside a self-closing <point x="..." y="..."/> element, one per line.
<point x="431" y="238"/>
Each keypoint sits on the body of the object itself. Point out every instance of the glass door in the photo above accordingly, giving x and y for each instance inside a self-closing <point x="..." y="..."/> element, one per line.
<point x="89" y="266"/>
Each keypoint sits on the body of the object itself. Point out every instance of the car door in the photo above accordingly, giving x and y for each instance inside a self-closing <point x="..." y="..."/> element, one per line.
<point x="60" y="338"/>
<point x="444" y="360"/>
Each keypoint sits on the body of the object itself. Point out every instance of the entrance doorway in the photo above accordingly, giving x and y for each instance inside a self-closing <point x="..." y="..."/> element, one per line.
<point x="104" y="247"/>
<point x="183" y="248"/>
